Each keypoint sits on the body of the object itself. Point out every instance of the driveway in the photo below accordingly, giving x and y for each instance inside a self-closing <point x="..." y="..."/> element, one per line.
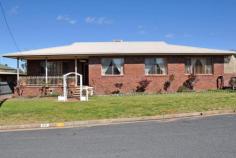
<point x="211" y="137"/>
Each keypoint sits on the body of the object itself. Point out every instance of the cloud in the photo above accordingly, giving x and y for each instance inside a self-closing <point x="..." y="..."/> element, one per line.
<point x="98" y="20"/>
<point x="14" y="10"/>
<point x="141" y="30"/>
<point x="170" y="35"/>
<point x="90" y="19"/>
<point x="66" y="18"/>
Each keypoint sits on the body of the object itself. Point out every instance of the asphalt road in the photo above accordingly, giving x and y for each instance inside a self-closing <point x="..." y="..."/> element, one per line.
<point x="212" y="137"/>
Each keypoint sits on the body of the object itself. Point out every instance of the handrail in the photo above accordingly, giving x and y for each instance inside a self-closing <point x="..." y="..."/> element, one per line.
<point x="41" y="81"/>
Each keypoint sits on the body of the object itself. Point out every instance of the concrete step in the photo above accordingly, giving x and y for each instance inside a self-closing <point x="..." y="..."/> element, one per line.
<point x="76" y="93"/>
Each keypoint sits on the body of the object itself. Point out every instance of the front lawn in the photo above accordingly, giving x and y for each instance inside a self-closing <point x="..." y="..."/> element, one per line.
<point x="37" y="110"/>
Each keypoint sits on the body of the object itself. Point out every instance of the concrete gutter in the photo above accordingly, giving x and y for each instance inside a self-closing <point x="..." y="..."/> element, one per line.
<point x="102" y="122"/>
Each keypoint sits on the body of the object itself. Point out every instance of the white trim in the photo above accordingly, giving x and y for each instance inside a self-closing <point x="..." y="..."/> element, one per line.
<point x="76" y="71"/>
<point x="64" y="97"/>
<point x="8" y="73"/>
<point x="46" y="71"/>
<point x="18" y="71"/>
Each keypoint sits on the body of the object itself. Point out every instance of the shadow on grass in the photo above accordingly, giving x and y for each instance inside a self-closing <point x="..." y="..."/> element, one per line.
<point x="2" y="101"/>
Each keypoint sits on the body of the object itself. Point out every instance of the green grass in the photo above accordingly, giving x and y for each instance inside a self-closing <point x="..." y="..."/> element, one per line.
<point x="35" y="110"/>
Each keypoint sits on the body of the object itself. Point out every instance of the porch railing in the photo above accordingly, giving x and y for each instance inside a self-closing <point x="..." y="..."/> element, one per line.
<point x="41" y="80"/>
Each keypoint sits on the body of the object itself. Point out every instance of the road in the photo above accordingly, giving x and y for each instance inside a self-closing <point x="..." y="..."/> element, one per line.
<point x="211" y="137"/>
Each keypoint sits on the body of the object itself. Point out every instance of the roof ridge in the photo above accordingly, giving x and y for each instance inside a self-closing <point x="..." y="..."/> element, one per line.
<point x="160" y="42"/>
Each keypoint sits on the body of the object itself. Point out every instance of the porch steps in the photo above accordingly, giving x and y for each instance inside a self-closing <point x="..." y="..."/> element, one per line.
<point x="76" y="92"/>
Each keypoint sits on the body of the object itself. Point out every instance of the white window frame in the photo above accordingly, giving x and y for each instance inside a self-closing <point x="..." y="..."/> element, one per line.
<point x="112" y="74"/>
<point x="192" y="62"/>
<point x="156" y="58"/>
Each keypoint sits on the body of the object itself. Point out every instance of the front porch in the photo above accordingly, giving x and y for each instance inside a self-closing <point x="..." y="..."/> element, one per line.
<point x="45" y="77"/>
<point x="35" y="86"/>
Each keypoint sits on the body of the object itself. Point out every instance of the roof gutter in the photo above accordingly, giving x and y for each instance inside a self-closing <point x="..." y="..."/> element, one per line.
<point x="111" y="54"/>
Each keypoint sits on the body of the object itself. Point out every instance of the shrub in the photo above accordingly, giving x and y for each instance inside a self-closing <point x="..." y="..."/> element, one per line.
<point x="54" y="94"/>
<point x="142" y="85"/>
<point x="232" y="82"/>
<point x="184" y="89"/>
<point x="168" y="83"/>
<point x="115" y="92"/>
<point x="118" y="88"/>
<point x="43" y="90"/>
<point x="19" y="90"/>
<point x="190" y="82"/>
<point x="188" y="85"/>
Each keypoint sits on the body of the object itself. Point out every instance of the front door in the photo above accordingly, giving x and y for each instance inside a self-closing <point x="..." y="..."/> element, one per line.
<point x="83" y="70"/>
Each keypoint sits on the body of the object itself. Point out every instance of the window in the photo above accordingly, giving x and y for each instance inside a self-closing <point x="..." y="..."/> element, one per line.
<point x="198" y="65"/>
<point x="42" y="68"/>
<point x="155" y="66"/>
<point x="112" y="66"/>
<point x="54" y="68"/>
<point x="188" y="66"/>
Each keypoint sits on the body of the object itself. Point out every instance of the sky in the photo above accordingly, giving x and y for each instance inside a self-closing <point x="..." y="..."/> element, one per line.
<point x="44" y="23"/>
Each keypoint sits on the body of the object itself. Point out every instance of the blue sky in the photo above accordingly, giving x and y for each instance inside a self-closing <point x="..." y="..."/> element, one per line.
<point x="44" y="23"/>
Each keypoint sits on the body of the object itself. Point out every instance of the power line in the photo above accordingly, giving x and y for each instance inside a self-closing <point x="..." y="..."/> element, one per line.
<point x="8" y="28"/>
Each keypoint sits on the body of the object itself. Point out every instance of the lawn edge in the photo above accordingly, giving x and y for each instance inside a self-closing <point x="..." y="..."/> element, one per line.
<point x="102" y="122"/>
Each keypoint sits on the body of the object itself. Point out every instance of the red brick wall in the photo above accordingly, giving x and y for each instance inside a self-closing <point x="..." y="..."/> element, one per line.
<point x="32" y="91"/>
<point x="134" y="72"/>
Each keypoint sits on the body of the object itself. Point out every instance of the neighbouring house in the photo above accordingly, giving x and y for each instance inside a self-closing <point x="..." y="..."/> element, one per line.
<point x="7" y="78"/>
<point x="7" y="73"/>
<point x="123" y="67"/>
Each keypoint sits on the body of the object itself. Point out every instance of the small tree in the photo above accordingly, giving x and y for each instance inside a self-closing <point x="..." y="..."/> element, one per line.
<point x="189" y="84"/>
<point x="43" y="90"/>
<point x="142" y="85"/>
<point x="167" y="84"/>
<point x="118" y="88"/>
<point x="191" y="81"/>
<point x="19" y="90"/>
<point x="232" y="82"/>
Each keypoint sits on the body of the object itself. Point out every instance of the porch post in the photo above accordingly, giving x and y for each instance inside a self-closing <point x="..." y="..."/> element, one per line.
<point x="46" y="71"/>
<point x="76" y="77"/>
<point x="18" y="72"/>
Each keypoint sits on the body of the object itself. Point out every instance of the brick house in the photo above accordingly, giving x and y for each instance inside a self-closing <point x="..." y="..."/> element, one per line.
<point x="111" y="67"/>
